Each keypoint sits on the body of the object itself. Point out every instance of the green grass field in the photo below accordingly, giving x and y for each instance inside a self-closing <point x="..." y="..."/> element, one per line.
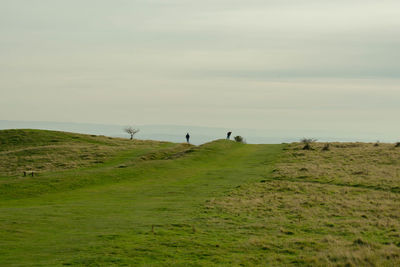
<point x="99" y="201"/>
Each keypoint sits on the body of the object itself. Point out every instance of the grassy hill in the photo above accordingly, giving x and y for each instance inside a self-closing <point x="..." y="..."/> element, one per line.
<point x="41" y="151"/>
<point x="153" y="203"/>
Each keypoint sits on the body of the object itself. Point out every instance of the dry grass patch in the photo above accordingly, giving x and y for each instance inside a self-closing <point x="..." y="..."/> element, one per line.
<point x="40" y="159"/>
<point x="353" y="164"/>
<point x="318" y="224"/>
<point x="336" y="205"/>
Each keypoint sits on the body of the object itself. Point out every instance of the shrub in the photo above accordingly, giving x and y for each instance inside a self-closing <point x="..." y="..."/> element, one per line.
<point x="308" y="140"/>
<point x="307" y="143"/>
<point x="239" y="139"/>
<point x="377" y="143"/>
<point x="397" y="144"/>
<point x="326" y="147"/>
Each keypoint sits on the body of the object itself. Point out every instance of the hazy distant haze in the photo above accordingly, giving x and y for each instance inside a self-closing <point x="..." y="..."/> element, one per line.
<point x="289" y="66"/>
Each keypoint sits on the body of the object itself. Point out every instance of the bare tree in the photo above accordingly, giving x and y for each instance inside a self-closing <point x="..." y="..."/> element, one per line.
<point x="132" y="131"/>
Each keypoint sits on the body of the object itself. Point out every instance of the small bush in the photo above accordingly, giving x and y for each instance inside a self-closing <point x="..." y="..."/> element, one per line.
<point x="359" y="242"/>
<point x="397" y="144"/>
<point x="308" y="140"/>
<point x="307" y="146"/>
<point x="377" y="143"/>
<point x="239" y="139"/>
<point x="307" y="143"/>
<point x="326" y="147"/>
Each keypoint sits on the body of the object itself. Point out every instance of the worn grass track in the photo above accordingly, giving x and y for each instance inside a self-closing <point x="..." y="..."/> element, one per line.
<point x="150" y="211"/>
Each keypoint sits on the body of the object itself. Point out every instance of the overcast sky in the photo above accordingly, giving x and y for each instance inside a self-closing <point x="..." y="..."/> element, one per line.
<point x="270" y="64"/>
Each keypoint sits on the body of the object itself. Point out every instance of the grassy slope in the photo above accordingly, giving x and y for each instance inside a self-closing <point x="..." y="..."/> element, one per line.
<point x="322" y="208"/>
<point x="41" y="151"/>
<point x="104" y="214"/>
<point x="222" y="203"/>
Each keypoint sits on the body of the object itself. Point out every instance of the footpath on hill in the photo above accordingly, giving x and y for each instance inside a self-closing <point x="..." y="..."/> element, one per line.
<point x="135" y="210"/>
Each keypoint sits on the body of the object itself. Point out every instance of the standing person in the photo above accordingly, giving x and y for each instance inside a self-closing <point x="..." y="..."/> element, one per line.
<point x="187" y="137"/>
<point x="228" y="135"/>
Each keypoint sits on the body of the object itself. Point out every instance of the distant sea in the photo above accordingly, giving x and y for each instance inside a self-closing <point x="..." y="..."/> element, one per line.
<point x="199" y="135"/>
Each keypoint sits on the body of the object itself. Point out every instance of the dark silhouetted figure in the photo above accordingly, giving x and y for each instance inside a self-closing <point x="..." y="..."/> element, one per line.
<point x="228" y="135"/>
<point x="187" y="137"/>
<point x="32" y="174"/>
<point x="24" y="173"/>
